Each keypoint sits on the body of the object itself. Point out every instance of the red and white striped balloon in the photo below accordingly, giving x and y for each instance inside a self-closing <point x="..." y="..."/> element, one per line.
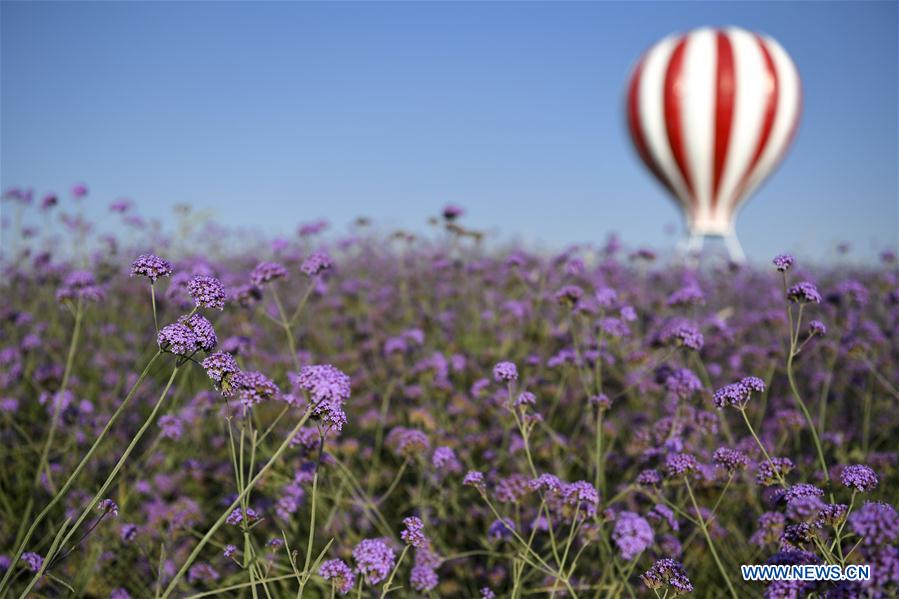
<point x="711" y="113"/>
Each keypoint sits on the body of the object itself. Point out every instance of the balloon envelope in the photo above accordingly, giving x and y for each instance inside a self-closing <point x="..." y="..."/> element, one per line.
<point x="711" y="113"/>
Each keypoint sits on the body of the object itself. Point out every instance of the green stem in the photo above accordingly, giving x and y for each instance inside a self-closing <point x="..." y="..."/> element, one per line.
<point x="708" y="538"/>
<point x="221" y="520"/>
<point x="102" y="491"/>
<point x="72" y="477"/>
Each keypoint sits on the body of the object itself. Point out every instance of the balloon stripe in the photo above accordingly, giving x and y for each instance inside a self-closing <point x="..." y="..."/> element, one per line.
<point x="636" y="128"/>
<point x="673" y="125"/>
<point x="767" y="124"/>
<point x="724" y="109"/>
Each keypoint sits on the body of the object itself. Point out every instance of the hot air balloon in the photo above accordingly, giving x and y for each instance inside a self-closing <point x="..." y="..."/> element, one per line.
<point x="711" y="114"/>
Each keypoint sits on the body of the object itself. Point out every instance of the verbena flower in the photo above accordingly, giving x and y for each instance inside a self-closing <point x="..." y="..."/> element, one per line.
<point x="80" y="284"/>
<point x="444" y="459"/>
<point x="253" y="387"/>
<point x="316" y="263"/>
<point x="220" y="367"/>
<point x="178" y="339"/>
<point x="569" y="294"/>
<point x="804" y="293"/>
<point x="769" y="473"/>
<point x="108" y="506"/>
<point x="632" y="535"/>
<point x="679" y="464"/>
<point x="202" y="329"/>
<point x="682" y="334"/>
<point x="407" y="442"/>
<point x="237" y="516"/>
<point x="817" y="328"/>
<point x="505" y="372"/>
<point x="340" y="575"/>
<point x="876" y="523"/>
<point x="783" y="262"/>
<point x="32" y="561"/>
<point x="423" y="578"/>
<point x="475" y="479"/>
<point x="732" y="460"/>
<point x="374" y="560"/>
<point x="859" y="477"/>
<point x="668" y="573"/>
<point x="266" y="272"/>
<point x="328" y="388"/>
<point x="152" y="267"/>
<point x="207" y="292"/>
<point x="737" y="394"/>
<point x="413" y="532"/>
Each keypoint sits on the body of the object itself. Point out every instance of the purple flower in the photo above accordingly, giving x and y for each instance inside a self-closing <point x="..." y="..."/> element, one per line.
<point x="253" y="387"/>
<point x="340" y="575"/>
<point x="679" y="464"/>
<point x="178" y="339"/>
<point x="505" y="372"/>
<point x="802" y="490"/>
<point x="108" y="506"/>
<point x="731" y="460"/>
<point x="80" y="284"/>
<point x="32" y="561"/>
<point x="649" y="478"/>
<point x="413" y="533"/>
<point x="669" y="573"/>
<point x="737" y="394"/>
<point x="266" y="272"/>
<point x="316" y="263"/>
<point x="682" y="334"/>
<point x="128" y="532"/>
<point x="876" y="523"/>
<point x="783" y="262"/>
<point x="769" y="473"/>
<point x="525" y="398"/>
<point x="444" y="459"/>
<point x="817" y="328"/>
<point x="207" y="292"/>
<point x="229" y="551"/>
<point x="452" y="212"/>
<point x="423" y="578"/>
<point x="79" y="190"/>
<point x="374" y="560"/>
<point x="219" y="368"/>
<point x="691" y="295"/>
<point x="152" y="267"/>
<point x="682" y="383"/>
<point x="804" y="293"/>
<point x="632" y="535"/>
<point x="171" y="426"/>
<point x="580" y="497"/>
<point x="237" y="516"/>
<point x="407" y="442"/>
<point x="202" y="329"/>
<point x="569" y="294"/>
<point x="328" y="388"/>
<point x="475" y="479"/>
<point x="802" y="509"/>
<point x="859" y="477"/>
<point x="769" y="528"/>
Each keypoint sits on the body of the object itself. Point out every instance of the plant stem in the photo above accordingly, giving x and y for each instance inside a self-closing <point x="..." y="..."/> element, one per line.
<point x="708" y="538"/>
<point x="90" y="506"/>
<point x="221" y="520"/>
<point x="72" y="477"/>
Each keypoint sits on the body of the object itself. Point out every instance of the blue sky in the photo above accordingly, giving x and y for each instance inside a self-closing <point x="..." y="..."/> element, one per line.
<point x="276" y="113"/>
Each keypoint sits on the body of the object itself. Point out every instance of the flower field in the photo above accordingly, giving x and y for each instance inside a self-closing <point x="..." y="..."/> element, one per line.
<point x="200" y="413"/>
